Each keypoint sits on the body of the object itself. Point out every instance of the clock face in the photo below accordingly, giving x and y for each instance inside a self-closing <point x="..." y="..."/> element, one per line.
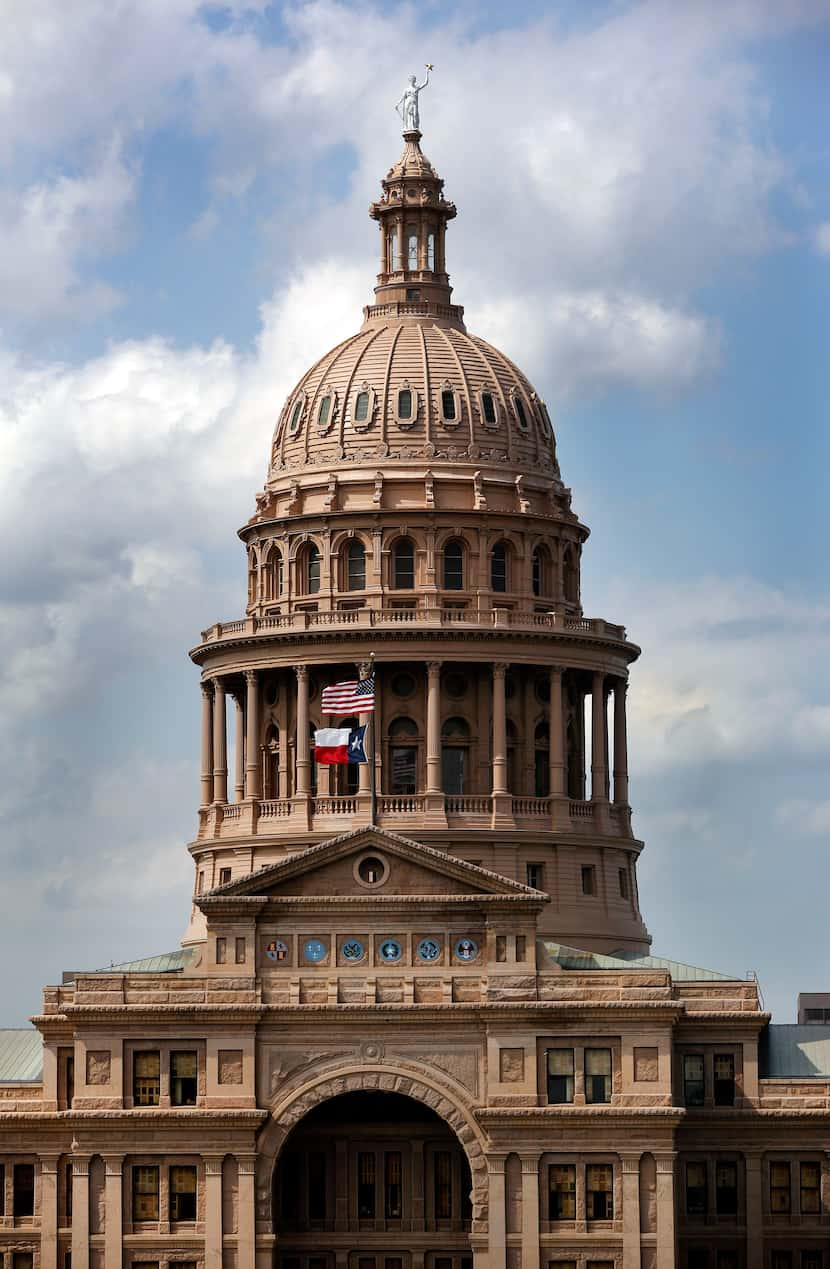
<point x="466" y="949"/>
<point x="390" y="951"/>
<point x="429" y="949"/>
<point x="352" y="950"/>
<point x="315" y="950"/>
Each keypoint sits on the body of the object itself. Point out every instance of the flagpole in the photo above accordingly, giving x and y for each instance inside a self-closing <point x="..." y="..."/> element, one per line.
<point x="374" y="802"/>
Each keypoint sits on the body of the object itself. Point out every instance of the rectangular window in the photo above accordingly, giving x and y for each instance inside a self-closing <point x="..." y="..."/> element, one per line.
<point x="182" y="1193"/>
<point x="224" y="876"/>
<point x="812" y="1260"/>
<point x="67" y="1188"/>
<point x="317" y="1185"/>
<point x="521" y="947"/>
<point x="560" y="1076"/>
<point x="366" y="1186"/>
<point x="561" y="1192"/>
<point x="726" y="1189"/>
<point x="724" y="1085"/>
<point x="535" y="874"/>
<point x="727" y="1260"/>
<point x="597" y="1075"/>
<point x="782" y="1260"/>
<point x="146" y="1078"/>
<point x="589" y="879"/>
<point x="623" y="876"/>
<point x="23" y="1192"/>
<point x="392" y="1185"/>
<point x="443" y="1185"/>
<point x="239" y="951"/>
<point x="698" y="1258"/>
<point x="779" y="1187"/>
<point x="599" y="1192"/>
<point x="693" y="1079"/>
<point x="810" y="1179"/>
<point x="200" y="883"/>
<point x="145" y="1193"/>
<point x="404" y="762"/>
<point x="183" y="1079"/>
<point x="221" y="950"/>
<point x="392" y="1262"/>
<point x="696" y="1189"/>
<point x="22" y="1260"/>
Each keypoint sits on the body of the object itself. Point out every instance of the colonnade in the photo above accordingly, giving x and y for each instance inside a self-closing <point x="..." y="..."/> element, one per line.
<point x="606" y="785"/>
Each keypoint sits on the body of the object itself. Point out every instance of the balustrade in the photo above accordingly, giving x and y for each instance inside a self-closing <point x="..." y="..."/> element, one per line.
<point x="531" y="806"/>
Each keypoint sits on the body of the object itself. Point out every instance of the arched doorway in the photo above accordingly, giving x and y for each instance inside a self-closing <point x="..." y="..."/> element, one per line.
<point x="372" y="1180"/>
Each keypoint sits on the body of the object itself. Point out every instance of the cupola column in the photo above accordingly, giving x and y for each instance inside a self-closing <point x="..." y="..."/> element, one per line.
<point x="303" y="757"/>
<point x="220" y="743"/>
<point x="434" y="727"/>
<point x="499" y="729"/>
<point x="207" y="743"/>
<point x="620" y="744"/>
<point x="557" y="734"/>
<point x="599" y="742"/>
<point x="239" y="750"/>
<point x="252" y="780"/>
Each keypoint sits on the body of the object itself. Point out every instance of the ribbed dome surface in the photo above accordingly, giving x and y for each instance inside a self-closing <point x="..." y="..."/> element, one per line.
<point x="414" y="389"/>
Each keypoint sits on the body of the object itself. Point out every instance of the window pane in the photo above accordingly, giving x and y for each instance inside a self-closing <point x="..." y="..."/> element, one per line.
<point x="23" y="1197"/>
<point x="366" y="1186"/>
<point x="296" y="415"/>
<point x="498" y="568"/>
<point x="448" y="405"/>
<point x="392" y="1185"/>
<point x="443" y="1185"/>
<point x="453" y="566"/>
<point x="489" y="407"/>
<point x="183" y="1079"/>
<point x="323" y="412"/>
<point x="810" y="1187"/>
<point x="146" y="1078"/>
<point x="724" y="1086"/>
<point x="412" y="247"/>
<point x="313" y="570"/>
<point x="693" y="1079"/>
<point x="726" y="1189"/>
<point x="356" y="566"/>
<point x="404" y="565"/>
<point x="597" y="1075"/>
<point x="454" y="769"/>
<point x="317" y="1185"/>
<point x="405" y="404"/>
<point x="599" y="1203"/>
<point x="560" y="1076"/>
<point x="561" y="1192"/>
<point x="361" y="407"/>
<point x="145" y="1193"/>
<point x="520" y="410"/>
<point x="403" y="759"/>
<point x="431" y="251"/>
<point x="779" y="1177"/>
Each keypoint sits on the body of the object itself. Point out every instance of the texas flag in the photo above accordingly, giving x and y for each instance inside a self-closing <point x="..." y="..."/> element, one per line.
<point x="339" y="744"/>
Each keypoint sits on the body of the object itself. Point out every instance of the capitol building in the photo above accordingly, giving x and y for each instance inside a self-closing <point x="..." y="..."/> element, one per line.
<point x="415" y="1021"/>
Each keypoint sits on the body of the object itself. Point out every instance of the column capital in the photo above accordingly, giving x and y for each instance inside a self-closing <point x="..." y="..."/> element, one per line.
<point x="665" y="1161"/>
<point x="530" y="1164"/>
<point x="113" y="1164"/>
<point x="49" y="1163"/>
<point x="496" y="1163"/>
<point x="247" y="1164"/>
<point x="213" y="1164"/>
<point x="301" y="671"/>
<point x="557" y="669"/>
<point x="206" y="687"/>
<point x="500" y="668"/>
<point x="630" y="1162"/>
<point x="434" y="668"/>
<point x="251" y="676"/>
<point x="80" y="1164"/>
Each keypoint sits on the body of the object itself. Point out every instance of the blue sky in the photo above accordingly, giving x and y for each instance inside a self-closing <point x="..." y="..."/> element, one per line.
<point x="644" y="226"/>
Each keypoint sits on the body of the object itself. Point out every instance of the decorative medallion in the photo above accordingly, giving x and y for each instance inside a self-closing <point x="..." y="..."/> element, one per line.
<point x="390" y="951"/>
<point x="466" y="949"/>
<point x="315" y="950"/>
<point x="276" y="950"/>
<point x="429" y="950"/>
<point x="352" y="950"/>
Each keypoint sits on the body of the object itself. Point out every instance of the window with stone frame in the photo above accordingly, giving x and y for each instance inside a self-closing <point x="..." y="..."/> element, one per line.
<point x="589" y="879"/>
<point x="781" y="1260"/>
<point x="366" y="1185"/>
<point x="22" y="1260"/>
<point x="182" y="1179"/>
<point x="812" y="1260"/>
<point x="724" y="1079"/>
<point x="693" y="1082"/>
<point x="561" y="1192"/>
<point x="442" y="1172"/>
<point x="726" y="1259"/>
<point x="224" y="876"/>
<point x="562" y="1264"/>
<point x="534" y="875"/>
<point x="392" y="1185"/>
<point x="622" y="874"/>
<point x="726" y="1187"/>
<point x="498" y="568"/>
<point x="145" y="1196"/>
<point x="810" y="1188"/>
<point x="597" y="1075"/>
<point x="453" y="566"/>
<point x="403" y="564"/>
<point x="146" y="1077"/>
<point x="599" y="1192"/>
<point x="355" y="565"/>
<point x="23" y="1189"/>
<point x="779" y="1188"/>
<point x="697" y="1190"/>
<point x="560" y="1076"/>
<point x="183" y="1077"/>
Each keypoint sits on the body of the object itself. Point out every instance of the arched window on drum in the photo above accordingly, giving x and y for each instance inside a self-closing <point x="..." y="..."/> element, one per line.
<point x="271" y="763"/>
<point x="455" y="757"/>
<point x="499" y="568"/>
<point x="541" y="760"/>
<point x="403" y="756"/>
<point x="403" y="564"/>
<point x="571" y="576"/>
<point x="355" y="565"/>
<point x="454" y="565"/>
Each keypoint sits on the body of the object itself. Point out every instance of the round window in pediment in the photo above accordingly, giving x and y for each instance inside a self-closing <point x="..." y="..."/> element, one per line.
<point x="371" y="871"/>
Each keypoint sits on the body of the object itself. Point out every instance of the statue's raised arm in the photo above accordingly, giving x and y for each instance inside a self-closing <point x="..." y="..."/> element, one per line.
<point x="407" y="107"/>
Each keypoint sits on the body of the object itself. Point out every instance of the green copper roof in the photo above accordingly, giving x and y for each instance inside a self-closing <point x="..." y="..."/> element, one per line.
<point x="164" y="963"/>
<point x="21" y="1055"/>
<point x="575" y="958"/>
<point x="789" y="1051"/>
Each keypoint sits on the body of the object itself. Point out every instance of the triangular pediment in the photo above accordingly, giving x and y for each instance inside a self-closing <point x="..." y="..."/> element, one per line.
<point x="369" y="862"/>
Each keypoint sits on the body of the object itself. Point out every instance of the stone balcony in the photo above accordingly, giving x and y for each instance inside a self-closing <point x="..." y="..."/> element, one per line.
<point x="333" y="813"/>
<point x="420" y="615"/>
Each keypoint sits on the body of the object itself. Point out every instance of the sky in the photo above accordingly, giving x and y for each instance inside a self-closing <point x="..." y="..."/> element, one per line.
<point x="644" y="226"/>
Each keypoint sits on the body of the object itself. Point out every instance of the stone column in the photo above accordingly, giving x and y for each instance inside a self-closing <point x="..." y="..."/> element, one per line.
<point x="560" y="810"/>
<point x="435" y="815"/>
<point x="80" y="1211"/>
<point x="207" y="743"/>
<point x="754" y="1213"/>
<point x="665" y="1210"/>
<point x="253" y="787"/>
<point x="220" y="743"/>
<point x="49" y="1211"/>
<point x="620" y="744"/>
<point x="530" y="1211"/>
<point x="499" y="729"/>
<point x="631" y="1210"/>
<point x="498" y="1223"/>
<point x="239" y="752"/>
<point x="599" y="747"/>
<point x="213" y="1211"/>
<point x="246" y="1237"/>
<point x="402" y="260"/>
<point x="303" y="757"/>
<point x="114" y="1208"/>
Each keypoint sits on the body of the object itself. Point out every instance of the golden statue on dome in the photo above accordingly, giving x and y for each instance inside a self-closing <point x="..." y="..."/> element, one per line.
<point x="407" y="107"/>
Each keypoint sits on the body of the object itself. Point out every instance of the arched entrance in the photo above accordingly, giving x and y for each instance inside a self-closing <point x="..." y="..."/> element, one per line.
<point x="372" y="1179"/>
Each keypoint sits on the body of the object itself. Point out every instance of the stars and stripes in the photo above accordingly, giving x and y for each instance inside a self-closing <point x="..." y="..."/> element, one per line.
<point x="357" y="697"/>
<point x="340" y="744"/>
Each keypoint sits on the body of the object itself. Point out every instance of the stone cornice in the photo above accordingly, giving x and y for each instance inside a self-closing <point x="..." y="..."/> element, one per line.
<point x="198" y="1117"/>
<point x="593" y="1114"/>
<point x="233" y="904"/>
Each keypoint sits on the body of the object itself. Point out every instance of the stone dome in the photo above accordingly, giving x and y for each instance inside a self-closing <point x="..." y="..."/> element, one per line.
<point x="412" y="383"/>
<point x="412" y="387"/>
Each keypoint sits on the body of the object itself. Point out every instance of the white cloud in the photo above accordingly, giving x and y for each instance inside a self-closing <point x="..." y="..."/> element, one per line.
<point x="822" y="239"/>
<point x="803" y="816"/>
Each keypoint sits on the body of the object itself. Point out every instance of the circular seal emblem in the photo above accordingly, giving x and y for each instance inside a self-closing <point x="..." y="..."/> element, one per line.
<point x="390" y="951"/>
<point x="276" y="950"/>
<point x="315" y="950"/>
<point x="429" y="950"/>
<point x="352" y="950"/>
<point x="466" y="949"/>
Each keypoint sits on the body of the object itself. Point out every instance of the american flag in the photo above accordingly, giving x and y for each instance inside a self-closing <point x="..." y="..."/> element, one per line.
<point x="350" y="698"/>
